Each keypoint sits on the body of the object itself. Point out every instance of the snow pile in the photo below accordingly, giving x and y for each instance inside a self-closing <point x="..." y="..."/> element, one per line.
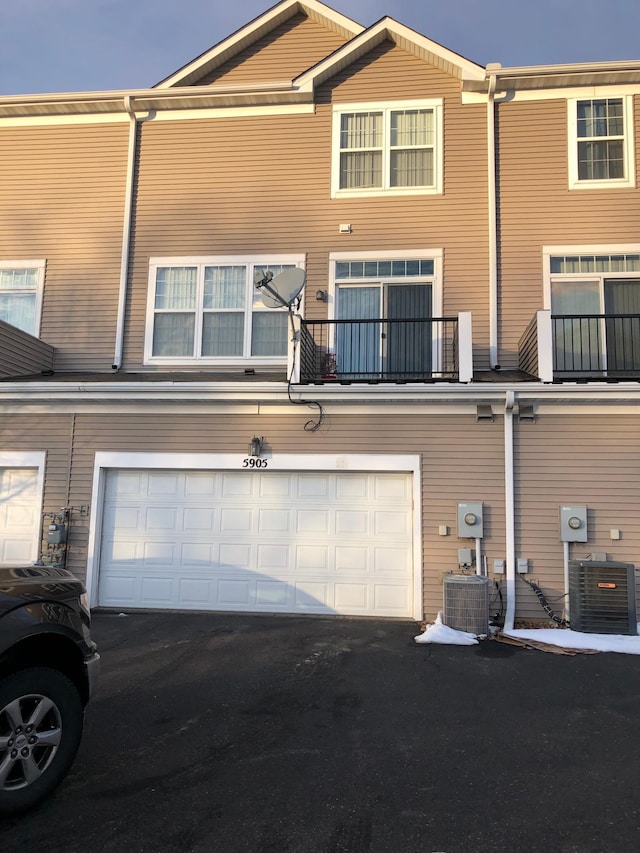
<point x="440" y="633"/>
<point x="577" y="640"/>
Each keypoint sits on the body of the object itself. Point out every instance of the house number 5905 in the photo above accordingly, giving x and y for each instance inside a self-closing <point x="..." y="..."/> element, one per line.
<point x="254" y="462"/>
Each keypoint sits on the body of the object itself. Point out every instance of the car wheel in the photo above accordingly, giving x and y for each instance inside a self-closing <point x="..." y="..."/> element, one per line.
<point x="41" y="718"/>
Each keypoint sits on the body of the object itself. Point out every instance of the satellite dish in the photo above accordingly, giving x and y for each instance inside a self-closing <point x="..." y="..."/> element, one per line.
<point x="283" y="290"/>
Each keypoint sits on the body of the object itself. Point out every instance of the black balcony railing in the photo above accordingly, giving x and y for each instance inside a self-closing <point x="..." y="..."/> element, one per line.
<point x="404" y="350"/>
<point x="595" y="346"/>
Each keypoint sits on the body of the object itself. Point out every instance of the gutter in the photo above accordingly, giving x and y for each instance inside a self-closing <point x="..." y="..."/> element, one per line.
<point x="126" y="232"/>
<point x="509" y="511"/>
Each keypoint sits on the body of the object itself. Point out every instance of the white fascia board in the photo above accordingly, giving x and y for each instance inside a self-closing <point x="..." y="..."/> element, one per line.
<point x="251" y="32"/>
<point x="191" y="396"/>
<point x="404" y="37"/>
<point x="542" y="71"/>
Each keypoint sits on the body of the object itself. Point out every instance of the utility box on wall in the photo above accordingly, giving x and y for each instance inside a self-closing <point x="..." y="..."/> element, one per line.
<point x="573" y="523"/>
<point x="470" y="520"/>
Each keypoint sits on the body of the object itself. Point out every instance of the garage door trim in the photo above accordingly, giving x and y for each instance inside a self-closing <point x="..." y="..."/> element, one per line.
<point x="356" y="462"/>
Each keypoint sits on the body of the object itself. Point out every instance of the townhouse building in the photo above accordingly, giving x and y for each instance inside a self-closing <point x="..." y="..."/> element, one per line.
<point x="325" y="315"/>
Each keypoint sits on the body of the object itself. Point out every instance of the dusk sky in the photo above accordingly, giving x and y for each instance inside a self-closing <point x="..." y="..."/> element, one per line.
<point x="87" y="45"/>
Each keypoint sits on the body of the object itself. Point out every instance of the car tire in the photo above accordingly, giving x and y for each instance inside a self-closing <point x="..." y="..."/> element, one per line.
<point x="41" y="719"/>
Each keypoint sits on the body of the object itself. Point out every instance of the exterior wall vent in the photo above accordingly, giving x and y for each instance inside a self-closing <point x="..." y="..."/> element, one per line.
<point x="466" y="603"/>
<point x="602" y="597"/>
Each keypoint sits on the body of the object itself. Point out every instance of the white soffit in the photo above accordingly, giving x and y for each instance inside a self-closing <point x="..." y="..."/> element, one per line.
<point x="256" y="29"/>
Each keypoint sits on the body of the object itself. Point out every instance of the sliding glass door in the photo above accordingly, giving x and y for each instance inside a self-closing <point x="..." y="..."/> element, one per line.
<point x="388" y="333"/>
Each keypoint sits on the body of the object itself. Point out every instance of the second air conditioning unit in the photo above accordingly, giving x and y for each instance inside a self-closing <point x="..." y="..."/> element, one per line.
<point x="602" y="597"/>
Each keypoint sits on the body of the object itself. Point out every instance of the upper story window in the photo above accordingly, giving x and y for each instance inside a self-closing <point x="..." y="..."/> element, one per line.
<point x="601" y="143"/>
<point x="387" y="148"/>
<point x="21" y="284"/>
<point x="209" y="310"/>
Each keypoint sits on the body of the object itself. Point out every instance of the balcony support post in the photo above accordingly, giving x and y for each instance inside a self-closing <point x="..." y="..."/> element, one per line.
<point x="465" y="347"/>
<point x="545" y="346"/>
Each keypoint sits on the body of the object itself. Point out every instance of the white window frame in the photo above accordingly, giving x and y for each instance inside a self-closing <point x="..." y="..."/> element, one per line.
<point x="39" y="266"/>
<point x="629" y="180"/>
<point x="436" y="255"/>
<point x="549" y="252"/>
<point x="202" y="261"/>
<point x="386" y="107"/>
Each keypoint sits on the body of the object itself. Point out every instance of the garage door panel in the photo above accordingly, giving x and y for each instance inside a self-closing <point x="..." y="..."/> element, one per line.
<point x="391" y="561"/>
<point x="199" y="485"/>
<point x="274" y="521"/>
<point x="163" y="484"/>
<point x="234" y="555"/>
<point x="313" y="486"/>
<point x="198" y="553"/>
<point x="389" y="487"/>
<point x="258" y="541"/>
<point x="312" y="521"/>
<point x="272" y="594"/>
<point x="312" y="558"/>
<point x="235" y="520"/>
<point x="198" y="518"/>
<point x="355" y="487"/>
<point x="157" y="590"/>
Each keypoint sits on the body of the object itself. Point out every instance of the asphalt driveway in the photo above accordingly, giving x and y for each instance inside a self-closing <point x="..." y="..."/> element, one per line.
<point x="219" y="733"/>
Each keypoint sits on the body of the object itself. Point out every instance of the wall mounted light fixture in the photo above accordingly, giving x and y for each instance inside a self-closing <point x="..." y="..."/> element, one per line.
<point x="255" y="446"/>
<point x="321" y="295"/>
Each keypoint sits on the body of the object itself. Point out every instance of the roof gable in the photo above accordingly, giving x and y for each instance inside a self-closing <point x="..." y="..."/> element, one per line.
<point x="225" y="51"/>
<point x="403" y="37"/>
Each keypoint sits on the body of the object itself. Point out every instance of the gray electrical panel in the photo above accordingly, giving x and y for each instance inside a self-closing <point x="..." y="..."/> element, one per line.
<point x="573" y="523"/>
<point x="470" y="520"/>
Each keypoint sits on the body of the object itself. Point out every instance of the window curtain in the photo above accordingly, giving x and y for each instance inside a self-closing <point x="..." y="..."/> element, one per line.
<point x="175" y="305"/>
<point x="358" y="343"/>
<point x="361" y="168"/>
<point x="412" y="130"/>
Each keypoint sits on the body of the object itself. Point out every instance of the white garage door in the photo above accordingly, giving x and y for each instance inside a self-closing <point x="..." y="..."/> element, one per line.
<point x="258" y="541"/>
<point x="19" y="515"/>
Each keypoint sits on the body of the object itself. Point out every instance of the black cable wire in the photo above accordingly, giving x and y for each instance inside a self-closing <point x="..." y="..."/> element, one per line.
<point x="311" y="425"/>
<point x="544" y="603"/>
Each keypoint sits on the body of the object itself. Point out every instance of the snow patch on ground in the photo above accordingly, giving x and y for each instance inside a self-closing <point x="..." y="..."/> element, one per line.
<point x="563" y="637"/>
<point x="577" y="640"/>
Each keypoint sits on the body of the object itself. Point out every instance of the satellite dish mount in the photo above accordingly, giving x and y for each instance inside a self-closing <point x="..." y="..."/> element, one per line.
<point x="281" y="291"/>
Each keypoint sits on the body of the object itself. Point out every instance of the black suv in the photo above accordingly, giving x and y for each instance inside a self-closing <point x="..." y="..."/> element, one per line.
<point x="48" y="669"/>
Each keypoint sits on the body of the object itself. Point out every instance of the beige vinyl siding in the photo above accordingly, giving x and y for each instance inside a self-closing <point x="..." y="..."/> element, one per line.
<point x="281" y="55"/>
<point x="591" y="460"/>
<point x="474" y="471"/>
<point x="203" y="190"/>
<point x="538" y="209"/>
<point x="22" y="354"/>
<point x="62" y="200"/>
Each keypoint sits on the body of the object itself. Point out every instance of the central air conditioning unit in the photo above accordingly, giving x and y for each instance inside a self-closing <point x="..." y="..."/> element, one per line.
<point x="466" y="603"/>
<point x="602" y="597"/>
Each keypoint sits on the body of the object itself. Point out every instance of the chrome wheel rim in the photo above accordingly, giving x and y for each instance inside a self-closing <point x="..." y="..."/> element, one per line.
<point x="30" y="735"/>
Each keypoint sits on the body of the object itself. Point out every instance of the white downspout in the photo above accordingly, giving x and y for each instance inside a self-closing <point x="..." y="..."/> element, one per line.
<point x="492" y="226"/>
<point x="126" y="232"/>
<point x="565" y="564"/>
<point x="509" y="511"/>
